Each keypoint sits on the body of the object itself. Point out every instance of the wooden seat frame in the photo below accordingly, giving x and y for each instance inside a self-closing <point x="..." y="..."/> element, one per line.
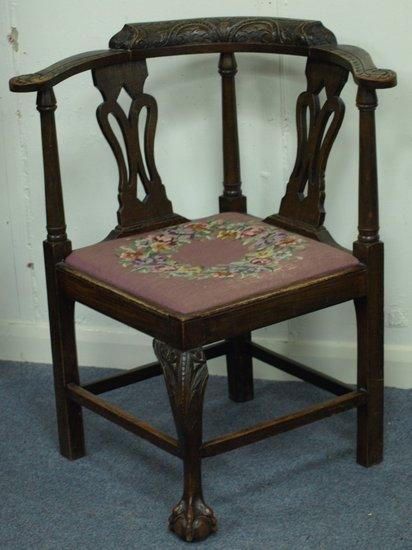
<point x="183" y="343"/>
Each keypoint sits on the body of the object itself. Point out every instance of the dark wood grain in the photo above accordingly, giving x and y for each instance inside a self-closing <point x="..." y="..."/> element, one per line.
<point x="305" y="193"/>
<point x="61" y="307"/>
<point x="181" y="340"/>
<point x="55" y="218"/>
<point x="124" y="378"/>
<point x="139" y="167"/>
<point x="369" y="315"/>
<point x="368" y="202"/>
<point x="278" y="306"/>
<point x="282" y="424"/>
<point x="155" y="35"/>
<point x="50" y="76"/>
<point x="232" y="199"/>
<point x="369" y="308"/>
<point x="125" y="420"/>
<point x="64" y="356"/>
<point x="358" y="62"/>
<point x="186" y="332"/>
<point x="240" y="369"/>
<point x="238" y="361"/>
<point x="297" y="369"/>
<point x="144" y="372"/>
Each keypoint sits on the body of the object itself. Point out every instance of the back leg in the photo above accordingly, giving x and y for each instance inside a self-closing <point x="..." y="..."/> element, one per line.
<point x="239" y="369"/>
<point x="65" y="371"/>
<point x="369" y="314"/>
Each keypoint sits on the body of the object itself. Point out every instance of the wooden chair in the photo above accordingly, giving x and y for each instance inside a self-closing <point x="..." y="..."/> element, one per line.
<point x="200" y="288"/>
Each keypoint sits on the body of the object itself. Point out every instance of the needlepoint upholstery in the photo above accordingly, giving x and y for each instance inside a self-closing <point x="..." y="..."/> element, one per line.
<point x="210" y="262"/>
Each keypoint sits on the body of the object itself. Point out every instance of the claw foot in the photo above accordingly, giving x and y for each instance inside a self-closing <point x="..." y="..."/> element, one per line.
<point x="192" y="520"/>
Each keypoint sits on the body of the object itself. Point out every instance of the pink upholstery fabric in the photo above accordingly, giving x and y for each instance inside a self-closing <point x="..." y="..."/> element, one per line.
<point x="214" y="261"/>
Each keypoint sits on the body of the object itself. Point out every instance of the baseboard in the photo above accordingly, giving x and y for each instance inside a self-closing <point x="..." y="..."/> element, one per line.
<point x="106" y="347"/>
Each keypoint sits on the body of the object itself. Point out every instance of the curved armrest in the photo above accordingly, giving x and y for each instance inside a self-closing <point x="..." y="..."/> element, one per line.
<point x="358" y="62"/>
<point x="64" y="69"/>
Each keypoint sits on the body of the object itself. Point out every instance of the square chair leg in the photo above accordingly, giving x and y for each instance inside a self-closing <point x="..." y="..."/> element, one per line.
<point x="64" y="353"/>
<point x="65" y="371"/>
<point x="369" y="314"/>
<point x="239" y="369"/>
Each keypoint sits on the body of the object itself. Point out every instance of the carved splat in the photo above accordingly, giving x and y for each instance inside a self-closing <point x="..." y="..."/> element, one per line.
<point x="317" y="128"/>
<point x="138" y="168"/>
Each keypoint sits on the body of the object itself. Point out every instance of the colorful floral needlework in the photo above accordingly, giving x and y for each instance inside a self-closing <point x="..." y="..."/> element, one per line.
<point x="265" y="249"/>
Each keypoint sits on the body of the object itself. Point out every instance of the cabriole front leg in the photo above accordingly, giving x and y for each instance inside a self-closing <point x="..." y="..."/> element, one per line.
<point x="186" y="376"/>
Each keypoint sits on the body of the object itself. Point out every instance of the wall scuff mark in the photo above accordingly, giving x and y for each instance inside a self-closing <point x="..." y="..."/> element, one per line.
<point x="13" y="39"/>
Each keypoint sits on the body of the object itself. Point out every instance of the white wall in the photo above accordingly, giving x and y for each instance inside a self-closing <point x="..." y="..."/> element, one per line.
<point x="189" y="159"/>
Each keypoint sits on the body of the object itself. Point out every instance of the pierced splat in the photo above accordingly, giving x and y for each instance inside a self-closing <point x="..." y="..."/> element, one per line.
<point x="317" y="128"/>
<point x="137" y="165"/>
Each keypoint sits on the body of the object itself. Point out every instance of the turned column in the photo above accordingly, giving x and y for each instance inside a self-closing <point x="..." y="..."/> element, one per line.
<point x="238" y="360"/>
<point x="368" y="226"/>
<point x="56" y="225"/>
<point x="232" y="199"/>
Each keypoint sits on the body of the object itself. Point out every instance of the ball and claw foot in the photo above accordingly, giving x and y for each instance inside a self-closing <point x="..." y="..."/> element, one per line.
<point x="192" y="521"/>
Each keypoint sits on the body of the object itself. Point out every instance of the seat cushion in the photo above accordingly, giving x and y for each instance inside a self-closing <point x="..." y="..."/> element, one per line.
<point x="210" y="262"/>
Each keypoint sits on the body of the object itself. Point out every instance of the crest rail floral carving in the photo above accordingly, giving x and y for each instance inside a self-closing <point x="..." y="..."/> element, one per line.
<point x="209" y="30"/>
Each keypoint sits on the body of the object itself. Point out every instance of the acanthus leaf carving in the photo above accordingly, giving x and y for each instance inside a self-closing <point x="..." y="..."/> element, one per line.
<point x="186" y="376"/>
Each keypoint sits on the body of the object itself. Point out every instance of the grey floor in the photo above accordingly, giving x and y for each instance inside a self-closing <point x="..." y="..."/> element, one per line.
<point x="299" y="490"/>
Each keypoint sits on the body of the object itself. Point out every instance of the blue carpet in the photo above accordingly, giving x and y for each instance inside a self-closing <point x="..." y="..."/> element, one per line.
<point x="299" y="490"/>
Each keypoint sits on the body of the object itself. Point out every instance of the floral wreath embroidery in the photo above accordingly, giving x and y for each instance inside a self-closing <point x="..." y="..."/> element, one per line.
<point x="267" y="247"/>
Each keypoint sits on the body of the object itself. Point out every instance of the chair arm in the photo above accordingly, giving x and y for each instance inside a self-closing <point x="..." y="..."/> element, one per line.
<point x="70" y="66"/>
<point x="358" y="62"/>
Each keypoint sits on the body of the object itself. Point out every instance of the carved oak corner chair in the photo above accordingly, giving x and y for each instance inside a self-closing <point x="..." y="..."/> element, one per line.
<point x="199" y="288"/>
